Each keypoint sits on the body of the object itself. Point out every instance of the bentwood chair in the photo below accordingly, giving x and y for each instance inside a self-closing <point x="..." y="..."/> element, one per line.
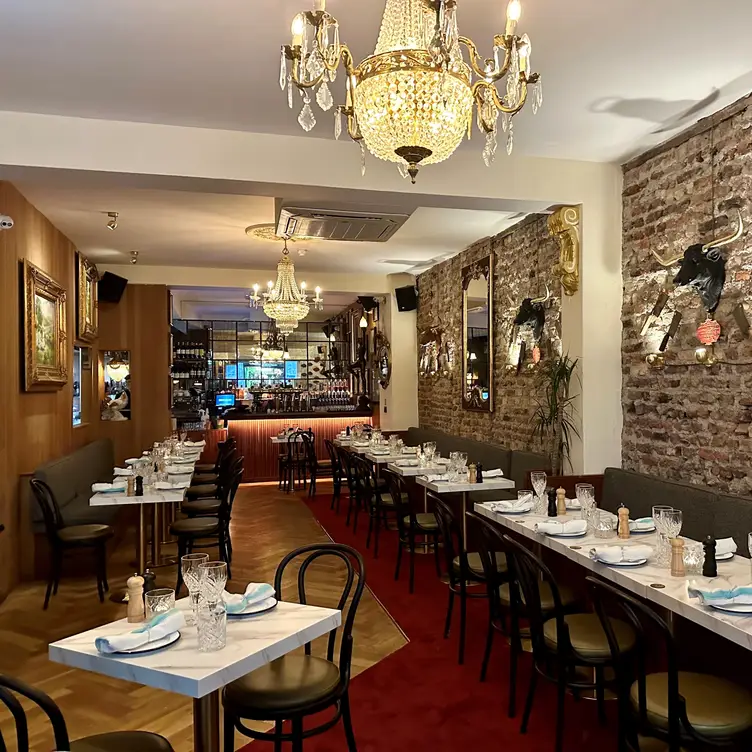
<point x="208" y="472"/>
<point x="376" y="504"/>
<point x="295" y="687"/>
<point x="64" y="538"/>
<point x="294" y="465"/>
<point x="684" y="710"/>
<point x="316" y="467"/>
<point x="337" y="473"/>
<point x="117" y="741"/>
<point x="352" y="486"/>
<point x="561" y="641"/>
<point x="213" y="490"/>
<point x="410" y="525"/>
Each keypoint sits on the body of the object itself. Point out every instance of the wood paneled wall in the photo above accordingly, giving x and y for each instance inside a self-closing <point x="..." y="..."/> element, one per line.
<point x="37" y="427"/>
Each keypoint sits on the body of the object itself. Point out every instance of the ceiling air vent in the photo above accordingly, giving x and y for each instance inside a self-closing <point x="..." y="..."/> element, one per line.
<point x="325" y="224"/>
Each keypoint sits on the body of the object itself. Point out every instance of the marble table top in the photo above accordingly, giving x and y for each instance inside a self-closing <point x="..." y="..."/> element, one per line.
<point x="639" y="580"/>
<point x="414" y="472"/>
<point x="251" y="643"/>
<point x="155" y="497"/>
<point x="489" y="484"/>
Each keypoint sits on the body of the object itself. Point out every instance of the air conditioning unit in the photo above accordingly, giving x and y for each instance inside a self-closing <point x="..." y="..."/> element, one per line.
<point x="326" y="224"/>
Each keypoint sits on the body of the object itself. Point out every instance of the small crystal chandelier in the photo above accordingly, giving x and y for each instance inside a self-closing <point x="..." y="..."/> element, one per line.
<point x="284" y="302"/>
<point x="412" y="101"/>
<point x="275" y="346"/>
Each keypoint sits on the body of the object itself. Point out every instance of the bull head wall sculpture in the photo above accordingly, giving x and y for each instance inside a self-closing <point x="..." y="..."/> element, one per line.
<point x="704" y="268"/>
<point x="533" y="314"/>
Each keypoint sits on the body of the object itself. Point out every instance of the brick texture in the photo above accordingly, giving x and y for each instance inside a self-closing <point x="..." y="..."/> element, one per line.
<point x="688" y="422"/>
<point x="524" y="257"/>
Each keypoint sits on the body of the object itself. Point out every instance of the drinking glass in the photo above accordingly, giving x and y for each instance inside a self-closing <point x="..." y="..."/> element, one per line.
<point x="212" y="627"/>
<point x="663" y="551"/>
<point x="190" y="564"/>
<point x="672" y="522"/>
<point x="429" y="449"/>
<point x="212" y="578"/>
<point x="585" y="493"/>
<point x="158" y="601"/>
<point x="603" y="523"/>
<point x="694" y="557"/>
<point x="539" y="480"/>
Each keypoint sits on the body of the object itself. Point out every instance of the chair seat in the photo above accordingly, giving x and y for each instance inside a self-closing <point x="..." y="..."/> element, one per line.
<point x="388" y="501"/>
<point x="202" y="479"/>
<point x="195" y="526"/>
<point x="85" y="533"/>
<point x="648" y="744"/>
<point x="122" y="741"/>
<point x="475" y="563"/>
<point x="588" y="637"/>
<point x="208" y="491"/>
<point x="201" y="506"/>
<point x="568" y="598"/>
<point x="425" y="520"/>
<point x="716" y="708"/>
<point x="287" y="683"/>
<point x="207" y="467"/>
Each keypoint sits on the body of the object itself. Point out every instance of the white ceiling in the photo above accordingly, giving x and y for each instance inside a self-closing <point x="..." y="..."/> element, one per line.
<point x="208" y="230"/>
<point x="619" y="76"/>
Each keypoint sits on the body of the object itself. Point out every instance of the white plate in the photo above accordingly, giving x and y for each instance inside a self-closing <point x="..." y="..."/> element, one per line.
<point x="643" y="532"/>
<point x="638" y="563"/>
<point x="251" y="612"/>
<point x="741" y="608"/>
<point x="171" y="639"/>
<point x="566" y="535"/>
<point x="513" y="511"/>
<point x="725" y="557"/>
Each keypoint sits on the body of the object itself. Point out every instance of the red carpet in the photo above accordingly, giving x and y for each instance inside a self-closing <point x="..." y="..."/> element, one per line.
<point x="419" y="699"/>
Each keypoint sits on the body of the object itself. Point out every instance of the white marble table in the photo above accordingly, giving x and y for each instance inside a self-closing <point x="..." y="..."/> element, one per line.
<point x="464" y="488"/>
<point x="154" y="497"/>
<point x="285" y="439"/>
<point x="640" y="580"/>
<point x="251" y="643"/>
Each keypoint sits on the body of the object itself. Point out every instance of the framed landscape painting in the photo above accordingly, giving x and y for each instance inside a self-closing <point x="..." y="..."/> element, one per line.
<point x="44" y="331"/>
<point x="87" y="315"/>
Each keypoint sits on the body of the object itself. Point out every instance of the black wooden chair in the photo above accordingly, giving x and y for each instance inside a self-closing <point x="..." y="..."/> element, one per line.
<point x="352" y="486"/>
<point x="561" y="641"/>
<point x="295" y="687"/>
<point x="64" y="538"/>
<point x="337" y="473"/>
<point x="684" y="710"/>
<point x="410" y="525"/>
<point x="212" y="489"/>
<point x="294" y="464"/>
<point x="204" y="471"/>
<point x="316" y="468"/>
<point x="117" y="741"/>
<point x="372" y="500"/>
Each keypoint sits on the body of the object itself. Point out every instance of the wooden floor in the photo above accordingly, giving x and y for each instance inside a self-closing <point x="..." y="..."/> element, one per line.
<point x="267" y="524"/>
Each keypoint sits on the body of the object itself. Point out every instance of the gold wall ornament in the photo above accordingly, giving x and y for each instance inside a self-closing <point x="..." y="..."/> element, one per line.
<point x="564" y="224"/>
<point x="87" y="303"/>
<point x="44" y="331"/>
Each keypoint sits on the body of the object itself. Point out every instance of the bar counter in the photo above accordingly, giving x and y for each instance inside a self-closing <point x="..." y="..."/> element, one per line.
<point x="254" y="431"/>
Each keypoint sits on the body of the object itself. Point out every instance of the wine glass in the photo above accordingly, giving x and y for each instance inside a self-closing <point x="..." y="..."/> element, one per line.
<point x="585" y="493"/>
<point x="212" y="578"/>
<point x="662" y="555"/>
<point x="539" y="480"/>
<point x="189" y="565"/>
<point x="672" y="522"/>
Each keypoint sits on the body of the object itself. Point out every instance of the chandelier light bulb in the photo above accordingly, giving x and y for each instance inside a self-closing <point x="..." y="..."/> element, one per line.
<point x="514" y="10"/>
<point x="317" y="291"/>
<point x="298" y="29"/>
<point x="303" y="285"/>
<point x="319" y="5"/>
<point x="256" y="288"/>
<point x="270" y="285"/>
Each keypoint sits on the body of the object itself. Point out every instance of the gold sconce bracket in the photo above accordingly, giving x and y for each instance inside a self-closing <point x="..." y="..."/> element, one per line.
<point x="564" y="224"/>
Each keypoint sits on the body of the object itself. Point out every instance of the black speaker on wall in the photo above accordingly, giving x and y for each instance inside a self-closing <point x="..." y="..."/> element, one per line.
<point x="407" y="298"/>
<point x="111" y="287"/>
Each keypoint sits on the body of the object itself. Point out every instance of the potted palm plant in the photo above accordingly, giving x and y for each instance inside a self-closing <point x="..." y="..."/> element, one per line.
<point x="554" y="417"/>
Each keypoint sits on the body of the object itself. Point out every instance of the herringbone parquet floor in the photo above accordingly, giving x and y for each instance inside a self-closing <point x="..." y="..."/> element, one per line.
<point x="267" y="524"/>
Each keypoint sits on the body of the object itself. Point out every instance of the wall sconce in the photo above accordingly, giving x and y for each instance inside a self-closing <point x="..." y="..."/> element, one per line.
<point x="363" y="322"/>
<point x="705" y="355"/>
<point x="655" y="360"/>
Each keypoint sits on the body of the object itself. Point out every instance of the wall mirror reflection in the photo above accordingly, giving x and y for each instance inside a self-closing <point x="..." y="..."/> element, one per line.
<point x="116" y="367"/>
<point x="477" y="335"/>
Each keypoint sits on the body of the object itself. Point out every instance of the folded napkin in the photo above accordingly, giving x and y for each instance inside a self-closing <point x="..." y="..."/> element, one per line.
<point x="155" y="629"/>
<point x="183" y="460"/>
<point x="162" y="485"/>
<point x="643" y="524"/>
<point x="617" y="554"/>
<point x="436" y="478"/>
<point x="720" y="596"/>
<point x="380" y="451"/>
<point x="409" y="450"/>
<point x="133" y="460"/>
<point x="512" y="505"/>
<point x="104" y="487"/>
<point x="407" y="463"/>
<point x="177" y="470"/>
<point x="725" y="546"/>
<point x="361" y="443"/>
<point x="573" y="504"/>
<point x="254" y="594"/>
<point x="123" y="471"/>
<point x="559" y="528"/>
<point x="493" y="473"/>
<point x="440" y="461"/>
<point x="195" y="443"/>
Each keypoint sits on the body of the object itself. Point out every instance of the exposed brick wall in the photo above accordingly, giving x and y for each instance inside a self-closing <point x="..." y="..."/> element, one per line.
<point x="524" y="257"/>
<point x="687" y="421"/>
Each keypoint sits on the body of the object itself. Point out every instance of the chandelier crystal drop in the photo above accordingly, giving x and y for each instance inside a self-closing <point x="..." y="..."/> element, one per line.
<point x="411" y="102"/>
<point x="284" y="302"/>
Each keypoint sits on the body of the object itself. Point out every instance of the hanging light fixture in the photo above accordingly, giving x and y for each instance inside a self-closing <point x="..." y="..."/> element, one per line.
<point x="412" y="101"/>
<point x="274" y="345"/>
<point x="284" y="302"/>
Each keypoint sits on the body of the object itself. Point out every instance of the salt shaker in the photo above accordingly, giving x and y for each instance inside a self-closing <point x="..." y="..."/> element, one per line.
<point x="552" y="508"/>
<point x="710" y="566"/>
<point x="677" y="557"/>
<point x="135" y="612"/>
<point x="561" y="501"/>
<point x="130" y="488"/>
<point x="471" y="473"/>
<point x="623" y="522"/>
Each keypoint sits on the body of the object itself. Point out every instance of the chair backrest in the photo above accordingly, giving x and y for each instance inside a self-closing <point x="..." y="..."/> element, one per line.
<point x="234" y="484"/>
<point x="451" y="536"/>
<point x="333" y="453"/>
<point x="531" y="573"/>
<point x="398" y="487"/>
<point x="309" y="445"/>
<point x="347" y="458"/>
<point x="609" y="602"/>
<point x="9" y="688"/>
<point x="365" y="485"/>
<point x="53" y="520"/>
<point x="296" y="450"/>
<point x="225" y="471"/>
<point x="490" y="543"/>
<point x="355" y="580"/>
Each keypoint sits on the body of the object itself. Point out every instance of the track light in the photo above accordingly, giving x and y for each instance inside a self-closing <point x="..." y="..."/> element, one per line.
<point x="134" y="257"/>
<point x="112" y="224"/>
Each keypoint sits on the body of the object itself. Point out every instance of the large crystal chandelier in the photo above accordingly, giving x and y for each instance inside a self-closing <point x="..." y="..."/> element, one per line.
<point x="284" y="302"/>
<point x="412" y="101"/>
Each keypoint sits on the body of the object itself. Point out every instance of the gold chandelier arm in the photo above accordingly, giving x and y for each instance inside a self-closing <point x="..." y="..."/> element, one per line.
<point x="294" y="54"/>
<point x="475" y="56"/>
<point x="478" y="86"/>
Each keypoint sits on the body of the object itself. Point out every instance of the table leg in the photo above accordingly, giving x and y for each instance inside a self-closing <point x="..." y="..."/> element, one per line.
<point x="464" y="521"/>
<point x="206" y="723"/>
<point x="155" y="535"/>
<point x="141" y="545"/>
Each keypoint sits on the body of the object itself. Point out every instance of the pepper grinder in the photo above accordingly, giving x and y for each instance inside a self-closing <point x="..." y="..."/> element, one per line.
<point x="129" y="490"/>
<point x="710" y="566"/>
<point x="139" y="486"/>
<point x="135" y="587"/>
<point x="479" y="473"/>
<point x="677" y="557"/>
<point x="472" y="473"/>
<point x="623" y="522"/>
<point x="561" y="501"/>
<point x="552" y="508"/>
<point x="150" y="582"/>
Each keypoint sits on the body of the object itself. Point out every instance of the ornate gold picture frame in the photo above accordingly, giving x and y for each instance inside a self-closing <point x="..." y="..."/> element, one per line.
<point x="44" y="331"/>
<point x="87" y="305"/>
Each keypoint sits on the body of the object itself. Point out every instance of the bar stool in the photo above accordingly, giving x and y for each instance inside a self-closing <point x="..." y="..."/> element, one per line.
<point x="117" y="741"/>
<point x="64" y="538"/>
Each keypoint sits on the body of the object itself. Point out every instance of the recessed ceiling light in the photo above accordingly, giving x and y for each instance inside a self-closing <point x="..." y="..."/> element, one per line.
<point x="112" y="224"/>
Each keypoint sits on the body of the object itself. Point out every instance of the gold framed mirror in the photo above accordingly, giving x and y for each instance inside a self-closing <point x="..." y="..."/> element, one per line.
<point x="477" y="335"/>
